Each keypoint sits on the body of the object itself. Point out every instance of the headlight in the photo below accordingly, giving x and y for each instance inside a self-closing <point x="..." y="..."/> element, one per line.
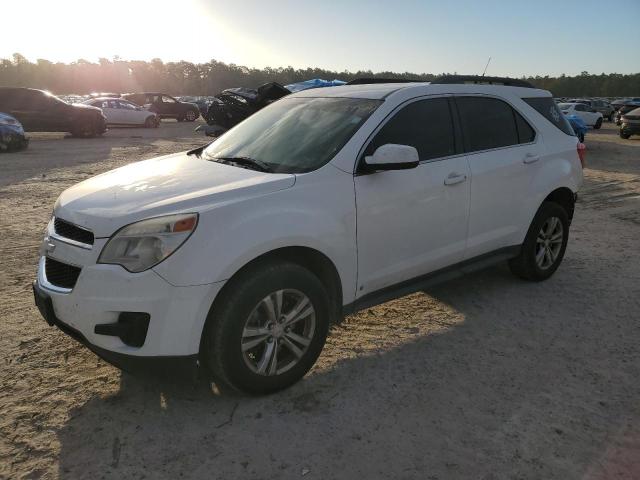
<point x="143" y="244"/>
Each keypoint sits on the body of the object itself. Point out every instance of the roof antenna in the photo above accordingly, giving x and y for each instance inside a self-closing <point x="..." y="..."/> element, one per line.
<point x="486" y="66"/>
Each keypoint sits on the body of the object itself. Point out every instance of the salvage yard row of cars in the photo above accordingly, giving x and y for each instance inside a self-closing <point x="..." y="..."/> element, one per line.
<point x="27" y="109"/>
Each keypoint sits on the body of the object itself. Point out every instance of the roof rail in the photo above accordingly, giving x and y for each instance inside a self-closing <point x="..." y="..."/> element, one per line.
<point x="365" y="81"/>
<point x="478" y="79"/>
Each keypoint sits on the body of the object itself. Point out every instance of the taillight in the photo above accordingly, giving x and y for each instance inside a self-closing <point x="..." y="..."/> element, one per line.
<point x="582" y="152"/>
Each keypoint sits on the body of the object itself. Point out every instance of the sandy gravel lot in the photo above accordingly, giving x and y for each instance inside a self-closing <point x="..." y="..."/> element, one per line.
<point x="487" y="377"/>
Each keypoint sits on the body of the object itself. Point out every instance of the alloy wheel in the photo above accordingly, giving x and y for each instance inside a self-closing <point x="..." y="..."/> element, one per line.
<point x="549" y="243"/>
<point x="278" y="332"/>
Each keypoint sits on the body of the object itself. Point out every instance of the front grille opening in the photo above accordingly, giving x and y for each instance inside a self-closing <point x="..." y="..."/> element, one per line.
<point x="73" y="232"/>
<point x="60" y="274"/>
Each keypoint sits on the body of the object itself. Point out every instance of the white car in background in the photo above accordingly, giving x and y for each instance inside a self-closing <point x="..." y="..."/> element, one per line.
<point x="120" y="112"/>
<point x="584" y="112"/>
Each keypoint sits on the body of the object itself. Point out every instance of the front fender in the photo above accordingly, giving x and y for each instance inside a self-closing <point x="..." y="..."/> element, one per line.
<point x="318" y="212"/>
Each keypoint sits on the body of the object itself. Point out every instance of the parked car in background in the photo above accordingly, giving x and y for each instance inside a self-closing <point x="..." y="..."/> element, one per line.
<point x="630" y="124"/>
<point x="121" y="112"/>
<point x="578" y="126"/>
<point x="587" y="114"/>
<point x="40" y="111"/>
<point x="202" y="103"/>
<point x="623" y="109"/>
<point x="12" y="136"/>
<point x="323" y="203"/>
<point x="233" y="105"/>
<point x="598" y="105"/>
<point x="165" y="105"/>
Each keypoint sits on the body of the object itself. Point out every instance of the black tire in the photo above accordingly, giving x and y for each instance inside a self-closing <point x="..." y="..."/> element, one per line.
<point x="611" y="116"/>
<point x="581" y="137"/>
<point x="191" y="116"/>
<point x="525" y="265"/>
<point x="221" y="346"/>
<point x="598" y="124"/>
<point x="626" y="136"/>
<point x="150" y="122"/>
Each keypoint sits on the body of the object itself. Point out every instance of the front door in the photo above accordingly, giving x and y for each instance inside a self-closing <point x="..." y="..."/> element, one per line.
<point x="412" y="222"/>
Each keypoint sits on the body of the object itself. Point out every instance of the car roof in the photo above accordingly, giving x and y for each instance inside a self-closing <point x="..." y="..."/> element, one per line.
<point x="380" y="91"/>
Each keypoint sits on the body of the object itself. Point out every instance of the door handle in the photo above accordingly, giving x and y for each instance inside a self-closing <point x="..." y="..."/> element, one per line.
<point x="530" y="158"/>
<point x="454" y="178"/>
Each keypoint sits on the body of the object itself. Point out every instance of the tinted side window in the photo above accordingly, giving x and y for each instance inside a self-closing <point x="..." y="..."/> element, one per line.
<point x="426" y="125"/>
<point x="526" y="134"/>
<point x="546" y="107"/>
<point x="487" y="123"/>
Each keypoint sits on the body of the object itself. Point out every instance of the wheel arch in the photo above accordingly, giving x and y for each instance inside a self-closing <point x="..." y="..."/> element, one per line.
<point x="311" y="259"/>
<point x="564" y="197"/>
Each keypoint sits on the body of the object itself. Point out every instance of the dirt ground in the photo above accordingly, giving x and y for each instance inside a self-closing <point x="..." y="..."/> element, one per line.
<point x="485" y="377"/>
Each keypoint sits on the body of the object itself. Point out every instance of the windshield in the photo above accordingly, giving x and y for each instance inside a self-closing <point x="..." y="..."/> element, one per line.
<point x="565" y="106"/>
<point x="294" y="135"/>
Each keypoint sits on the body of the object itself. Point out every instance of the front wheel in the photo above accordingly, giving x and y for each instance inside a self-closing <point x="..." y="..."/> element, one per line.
<point x="598" y="124"/>
<point x="151" y="122"/>
<point x="268" y="328"/>
<point x="544" y="245"/>
<point x="626" y="136"/>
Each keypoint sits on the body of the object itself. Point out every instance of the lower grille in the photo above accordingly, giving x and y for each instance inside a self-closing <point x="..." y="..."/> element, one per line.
<point x="60" y="274"/>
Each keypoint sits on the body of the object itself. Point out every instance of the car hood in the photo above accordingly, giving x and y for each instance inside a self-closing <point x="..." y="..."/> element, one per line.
<point x="164" y="185"/>
<point x="83" y="106"/>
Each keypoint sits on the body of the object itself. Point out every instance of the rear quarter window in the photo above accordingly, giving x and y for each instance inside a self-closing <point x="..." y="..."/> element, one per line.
<point x="546" y="107"/>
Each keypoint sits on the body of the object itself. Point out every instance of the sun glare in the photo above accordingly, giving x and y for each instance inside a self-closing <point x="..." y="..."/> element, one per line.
<point x="138" y="30"/>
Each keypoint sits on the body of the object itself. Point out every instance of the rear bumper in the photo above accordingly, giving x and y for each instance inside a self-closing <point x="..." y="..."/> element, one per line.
<point x="184" y="366"/>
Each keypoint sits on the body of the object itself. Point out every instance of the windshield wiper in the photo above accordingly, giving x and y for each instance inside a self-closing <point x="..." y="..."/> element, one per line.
<point x="198" y="151"/>
<point x="246" y="162"/>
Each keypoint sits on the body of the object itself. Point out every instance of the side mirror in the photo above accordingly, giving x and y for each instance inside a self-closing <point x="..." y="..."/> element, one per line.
<point x="392" y="157"/>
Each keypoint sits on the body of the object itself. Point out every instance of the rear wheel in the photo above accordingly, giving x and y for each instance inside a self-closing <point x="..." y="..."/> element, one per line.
<point x="626" y="136"/>
<point x="611" y="116"/>
<point x="544" y="245"/>
<point x="191" y="116"/>
<point x="598" y="124"/>
<point x="268" y="328"/>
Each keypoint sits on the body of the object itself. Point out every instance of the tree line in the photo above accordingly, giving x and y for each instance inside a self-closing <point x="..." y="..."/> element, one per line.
<point x="186" y="78"/>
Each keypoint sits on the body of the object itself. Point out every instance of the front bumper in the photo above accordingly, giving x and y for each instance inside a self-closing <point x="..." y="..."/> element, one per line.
<point x="184" y="366"/>
<point x="95" y="310"/>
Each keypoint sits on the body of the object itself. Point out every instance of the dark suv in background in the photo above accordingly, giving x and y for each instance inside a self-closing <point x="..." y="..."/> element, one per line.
<point x="40" y="111"/>
<point x="165" y="105"/>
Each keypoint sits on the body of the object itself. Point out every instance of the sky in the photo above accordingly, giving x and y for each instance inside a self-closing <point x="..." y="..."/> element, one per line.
<point x="522" y="37"/>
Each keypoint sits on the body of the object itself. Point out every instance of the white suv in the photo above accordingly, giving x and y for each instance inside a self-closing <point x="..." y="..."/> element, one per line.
<point x="239" y="255"/>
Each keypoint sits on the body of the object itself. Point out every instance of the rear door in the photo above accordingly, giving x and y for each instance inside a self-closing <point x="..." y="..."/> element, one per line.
<point x="130" y="114"/>
<point x="412" y="222"/>
<point x="583" y="112"/>
<point x="27" y="108"/>
<point x="504" y="153"/>
<point x="170" y="106"/>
